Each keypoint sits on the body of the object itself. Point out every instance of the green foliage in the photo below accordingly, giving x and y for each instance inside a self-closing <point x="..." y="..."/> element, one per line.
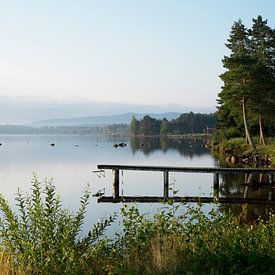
<point x="149" y="126"/>
<point x="186" y="123"/>
<point x="194" y="242"/>
<point x="248" y="79"/>
<point x="224" y="134"/>
<point x="235" y="145"/>
<point x="268" y="150"/>
<point x="44" y="238"/>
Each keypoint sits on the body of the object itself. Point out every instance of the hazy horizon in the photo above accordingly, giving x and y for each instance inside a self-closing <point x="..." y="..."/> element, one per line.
<point x="25" y="111"/>
<point x="65" y="59"/>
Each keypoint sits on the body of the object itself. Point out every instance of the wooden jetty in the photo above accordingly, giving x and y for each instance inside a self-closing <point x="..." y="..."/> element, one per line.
<point x="216" y="171"/>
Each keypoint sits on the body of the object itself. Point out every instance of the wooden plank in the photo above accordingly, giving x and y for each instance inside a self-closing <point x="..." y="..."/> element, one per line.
<point x="188" y="169"/>
<point x="152" y="199"/>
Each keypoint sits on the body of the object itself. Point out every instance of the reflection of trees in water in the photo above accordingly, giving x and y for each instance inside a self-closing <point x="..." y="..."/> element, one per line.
<point x="251" y="212"/>
<point x="235" y="185"/>
<point x="145" y="144"/>
<point x="231" y="185"/>
<point x="246" y="186"/>
<point x="186" y="147"/>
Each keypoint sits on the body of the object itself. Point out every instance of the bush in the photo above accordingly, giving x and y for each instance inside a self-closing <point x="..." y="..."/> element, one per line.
<point x="44" y="238"/>
<point x="194" y="242"/>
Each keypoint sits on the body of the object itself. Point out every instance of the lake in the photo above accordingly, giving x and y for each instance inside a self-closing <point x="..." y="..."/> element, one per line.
<point x="72" y="160"/>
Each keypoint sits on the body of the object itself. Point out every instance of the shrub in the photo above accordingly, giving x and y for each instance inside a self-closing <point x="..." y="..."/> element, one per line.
<point x="195" y="242"/>
<point x="44" y="238"/>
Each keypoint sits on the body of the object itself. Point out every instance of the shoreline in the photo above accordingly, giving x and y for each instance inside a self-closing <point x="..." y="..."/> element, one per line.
<point x="236" y="151"/>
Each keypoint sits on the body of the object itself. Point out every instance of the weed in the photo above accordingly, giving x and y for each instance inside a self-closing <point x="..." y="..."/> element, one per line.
<point x="45" y="238"/>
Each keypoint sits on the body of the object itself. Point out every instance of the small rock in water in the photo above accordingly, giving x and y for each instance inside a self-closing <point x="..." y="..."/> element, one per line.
<point x="122" y="144"/>
<point x="52" y="144"/>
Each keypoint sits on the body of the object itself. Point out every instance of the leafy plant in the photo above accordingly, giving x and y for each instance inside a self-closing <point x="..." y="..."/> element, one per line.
<point x="192" y="241"/>
<point x="44" y="238"/>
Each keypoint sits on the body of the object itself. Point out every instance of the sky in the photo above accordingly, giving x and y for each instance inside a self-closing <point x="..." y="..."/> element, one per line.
<point x="121" y="54"/>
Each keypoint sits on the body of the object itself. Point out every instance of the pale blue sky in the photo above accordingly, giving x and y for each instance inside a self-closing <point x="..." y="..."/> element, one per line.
<point x="152" y="52"/>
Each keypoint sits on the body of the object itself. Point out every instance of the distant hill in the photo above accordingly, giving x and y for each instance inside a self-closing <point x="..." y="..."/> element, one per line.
<point x="102" y="120"/>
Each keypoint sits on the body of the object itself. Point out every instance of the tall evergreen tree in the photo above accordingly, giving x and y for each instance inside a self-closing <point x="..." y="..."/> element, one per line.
<point x="262" y="46"/>
<point x="239" y="75"/>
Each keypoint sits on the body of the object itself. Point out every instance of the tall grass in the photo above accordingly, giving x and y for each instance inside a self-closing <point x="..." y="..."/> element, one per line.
<point x="44" y="238"/>
<point x="196" y="242"/>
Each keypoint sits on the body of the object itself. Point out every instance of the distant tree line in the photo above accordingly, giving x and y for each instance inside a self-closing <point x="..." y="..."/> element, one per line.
<point x="247" y="98"/>
<point x="114" y="129"/>
<point x="186" y="123"/>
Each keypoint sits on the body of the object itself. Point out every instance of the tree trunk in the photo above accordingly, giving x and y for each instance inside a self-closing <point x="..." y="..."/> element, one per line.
<point x="262" y="139"/>
<point x="247" y="134"/>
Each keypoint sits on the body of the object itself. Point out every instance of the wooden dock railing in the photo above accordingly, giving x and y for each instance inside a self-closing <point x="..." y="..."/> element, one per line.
<point x="216" y="171"/>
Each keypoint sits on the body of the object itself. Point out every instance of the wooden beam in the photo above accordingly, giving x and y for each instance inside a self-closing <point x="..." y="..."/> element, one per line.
<point x="153" y="199"/>
<point x="188" y="169"/>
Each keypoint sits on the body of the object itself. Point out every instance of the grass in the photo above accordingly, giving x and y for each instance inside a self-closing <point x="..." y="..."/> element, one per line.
<point x="238" y="146"/>
<point x="198" y="243"/>
<point x="45" y="239"/>
<point x="269" y="149"/>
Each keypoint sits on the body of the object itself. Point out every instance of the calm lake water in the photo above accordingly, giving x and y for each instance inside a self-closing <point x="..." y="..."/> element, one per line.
<point x="73" y="159"/>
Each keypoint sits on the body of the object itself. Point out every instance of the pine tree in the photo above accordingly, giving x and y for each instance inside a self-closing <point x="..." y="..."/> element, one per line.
<point x="262" y="46"/>
<point x="239" y="75"/>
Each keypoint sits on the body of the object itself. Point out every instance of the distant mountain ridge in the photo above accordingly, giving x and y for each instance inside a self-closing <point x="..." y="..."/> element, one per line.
<point x="102" y="120"/>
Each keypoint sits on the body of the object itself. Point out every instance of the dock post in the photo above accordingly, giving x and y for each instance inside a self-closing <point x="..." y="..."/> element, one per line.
<point x="165" y="185"/>
<point x="115" y="183"/>
<point x="216" y="185"/>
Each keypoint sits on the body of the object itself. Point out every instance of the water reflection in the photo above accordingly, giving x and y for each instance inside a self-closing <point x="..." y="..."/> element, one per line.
<point x="186" y="147"/>
<point x="71" y="168"/>
<point x="250" y="187"/>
